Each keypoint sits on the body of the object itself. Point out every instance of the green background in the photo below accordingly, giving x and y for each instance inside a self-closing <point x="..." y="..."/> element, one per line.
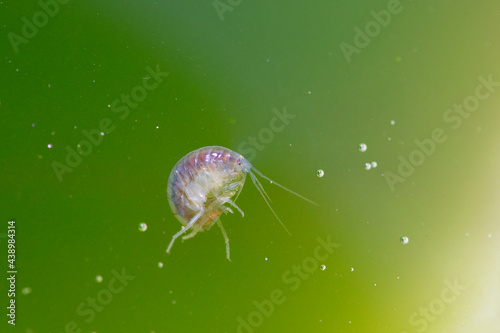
<point x="225" y="78"/>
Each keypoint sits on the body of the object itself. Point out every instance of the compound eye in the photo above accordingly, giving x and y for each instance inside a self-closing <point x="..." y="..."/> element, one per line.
<point x="238" y="161"/>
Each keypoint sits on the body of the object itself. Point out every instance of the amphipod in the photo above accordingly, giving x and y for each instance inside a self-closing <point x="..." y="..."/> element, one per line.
<point x="202" y="186"/>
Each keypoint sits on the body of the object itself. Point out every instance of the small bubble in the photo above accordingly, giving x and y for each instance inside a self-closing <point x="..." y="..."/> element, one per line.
<point x="160" y="264"/>
<point x="265" y="259"/>
<point x="352" y="269"/>
<point x="26" y="291"/>
<point x="320" y="173"/>
<point x="368" y="166"/>
<point x="98" y="278"/>
<point x="102" y="133"/>
<point x="362" y="147"/>
<point x="404" y="240"/>
<point x="322" y="267"/>
<point x="374" y="164"/>
<point x="49" y="145"/>
<point x="393" y="122"/>
<point x="143" y="227"/>
<point x="309" y="92"/>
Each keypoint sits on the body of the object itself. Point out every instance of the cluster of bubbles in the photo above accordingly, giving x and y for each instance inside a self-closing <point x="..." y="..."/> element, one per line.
<point x="368" y="166"/>
<point x="372" y="165"/>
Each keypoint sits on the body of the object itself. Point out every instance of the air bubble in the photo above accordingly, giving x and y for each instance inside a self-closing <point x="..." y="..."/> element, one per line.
<point x="143" y="227"/>
<point x="374" y="164"/>
<point x="404" y="240"/>
<point x="98" y="278"/>
<point x="320" y="173"/>
<point x="368" y="166"/>
<point x="322" y="267"/>
<point x="362" y="147"/>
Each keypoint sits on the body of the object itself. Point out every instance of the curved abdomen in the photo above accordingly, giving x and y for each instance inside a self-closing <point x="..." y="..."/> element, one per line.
<point x="196" y="179"/>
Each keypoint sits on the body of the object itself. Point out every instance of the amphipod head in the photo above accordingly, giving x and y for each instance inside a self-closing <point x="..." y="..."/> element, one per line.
<point x="242" y="164"/>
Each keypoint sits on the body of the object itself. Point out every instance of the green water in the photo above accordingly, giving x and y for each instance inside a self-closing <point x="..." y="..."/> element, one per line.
<point x="293" y="86"/>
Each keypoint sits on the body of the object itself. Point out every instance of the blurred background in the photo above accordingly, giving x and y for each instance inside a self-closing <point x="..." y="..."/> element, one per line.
<point x="100" y="99"/>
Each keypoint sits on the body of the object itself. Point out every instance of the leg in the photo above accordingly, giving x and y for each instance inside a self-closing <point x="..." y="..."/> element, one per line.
<point x="190" y="235"/>
<point x="226" y="209"/>
<point x="184" y="229"/>
<point x="229" y="201"/>
<point x="226" y="239"/>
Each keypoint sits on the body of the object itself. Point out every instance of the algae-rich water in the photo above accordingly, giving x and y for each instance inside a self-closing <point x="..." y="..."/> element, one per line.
<point x="385" y="113"/>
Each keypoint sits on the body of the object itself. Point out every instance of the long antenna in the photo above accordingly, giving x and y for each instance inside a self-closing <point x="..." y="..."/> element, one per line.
<point x="283" y="187"/>
<point x="257" y="183"/>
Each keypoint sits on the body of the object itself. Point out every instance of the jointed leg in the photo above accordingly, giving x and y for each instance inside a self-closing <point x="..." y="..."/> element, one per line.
<point x="226" y="239"/>
<point x="184" y="229"/>
<point x="190" y="235"/>
<point x="229" y="201"/>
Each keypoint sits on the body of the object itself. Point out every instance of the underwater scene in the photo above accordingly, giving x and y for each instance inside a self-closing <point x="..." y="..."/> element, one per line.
<point x="250" y="166"/>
